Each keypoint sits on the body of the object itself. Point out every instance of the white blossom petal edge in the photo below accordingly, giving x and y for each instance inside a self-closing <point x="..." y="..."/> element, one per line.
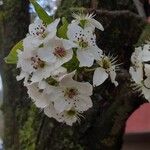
<point x="107" y="68"/>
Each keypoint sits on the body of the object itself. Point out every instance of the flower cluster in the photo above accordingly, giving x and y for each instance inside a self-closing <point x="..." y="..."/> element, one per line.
<point x="50" y="84"/>
<point x="140" y="69"/>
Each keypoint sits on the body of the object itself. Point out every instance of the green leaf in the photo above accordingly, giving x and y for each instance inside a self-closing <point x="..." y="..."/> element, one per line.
<point x="73" y="64"/>
<point x="83" y="23"/>
<point x="62" y="31"/>
<point x="12" y="57"/>
<point x="42" y="13"/>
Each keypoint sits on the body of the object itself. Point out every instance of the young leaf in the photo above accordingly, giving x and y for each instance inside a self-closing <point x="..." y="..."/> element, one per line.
<point x="12" y="57"/>
<point x="62" y="31"/>
<point x="73" y="64"/>
<point x="41" y="12"/>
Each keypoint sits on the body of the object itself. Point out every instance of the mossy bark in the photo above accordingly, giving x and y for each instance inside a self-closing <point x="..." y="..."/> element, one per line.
<point x="26" y="128"/>
<point x="104" y="126"/>
<point x="14" y="22"/>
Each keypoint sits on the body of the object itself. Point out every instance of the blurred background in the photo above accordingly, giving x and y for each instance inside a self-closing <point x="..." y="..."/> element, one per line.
<point x="23" y="127"/>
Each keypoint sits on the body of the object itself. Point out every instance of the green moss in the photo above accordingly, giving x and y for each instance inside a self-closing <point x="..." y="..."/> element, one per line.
<point x="27" y="134"/>
<point x="145" y="36"/>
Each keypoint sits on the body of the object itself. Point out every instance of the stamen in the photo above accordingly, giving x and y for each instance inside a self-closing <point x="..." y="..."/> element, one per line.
<point x="37" y="62"/>
<point x="71" y="93"/>
<point x="82" y="42"/>
<point x="71" y="113"/>
<point x="60" y="52"/>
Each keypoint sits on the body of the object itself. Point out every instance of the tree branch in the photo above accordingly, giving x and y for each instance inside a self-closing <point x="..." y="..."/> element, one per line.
<point x="140" y="8"/>
<point x="108" y="129"/>
<point x="107" y="12"/>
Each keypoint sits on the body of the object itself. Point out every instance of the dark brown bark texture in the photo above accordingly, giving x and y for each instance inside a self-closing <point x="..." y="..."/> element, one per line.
<point x="27" y="128"/>
<point x="14" y="21"/>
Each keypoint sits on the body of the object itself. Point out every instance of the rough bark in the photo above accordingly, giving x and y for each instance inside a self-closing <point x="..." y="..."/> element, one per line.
<point x="103" y="127"/>
<point x="15" y="20"/>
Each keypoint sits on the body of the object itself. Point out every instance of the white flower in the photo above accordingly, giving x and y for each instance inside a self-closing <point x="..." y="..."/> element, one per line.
<point x="30" y="43"/>
<point x="146" y="53"/>
<point x="25" y="76"/>
<point x="73" y="94"/>
<point x="147" y="70"/>
<point x="136" y="73"/>
<point x="69" y="117"/>
<point x="59" y="73"/>
<point x="31" y="63"/>
<point x="58" y="50"/>
<point x="86" y="43"/>
<point x="145" y="83"/>
<point x="107" y="68"/>
<point x="145" y="87"/>
<point x="138" y="59"/>
<point x="39" y="31"/>
<point x="40" y="93"/>
<point x="141" y="54"/>
<point x="140" y="70"/>
<point x="136" y="70"/>
<point x="88" y="20"/>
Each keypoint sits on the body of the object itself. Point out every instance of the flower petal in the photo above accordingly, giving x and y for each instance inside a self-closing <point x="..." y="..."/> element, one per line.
<point x="99" y="77"/>
<point x="30" y="43"/>
<point x="50" y="111"/>
<point x="96" y="24"/>
<point x="147" y="83"/>
<point x="97" y="52"/>
<point x="112" y="74"/>
<point x="84" y="88"/>
<point x="45" y="54"/>
<point x="50" y="36"/>
<point x="146" y="93"/>
<point x="51" y="27"/>
<point x="59" y="73"/>
<point x="40" y="99"/>
<point x="68" y="44"/>
<point x="146" y="53"/>
<point x="85" y="58"/>
<point x="147" y="69"/>
<point x="60" y="104"/>
<point x="69" y="120"/>
<point x="21" y="76"/>
<point x="73" y="31"/>
<point x="83" y="103"/>
<point x="61" y="61"/>
<point x="137" y="74"/>
<point x="41" y="74"/>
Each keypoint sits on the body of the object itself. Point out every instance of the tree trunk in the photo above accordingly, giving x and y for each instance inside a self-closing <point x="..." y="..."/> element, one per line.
<point x="15" y="21"/>
<point x="26" y="128"/>
<point x="104" y="126"/>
